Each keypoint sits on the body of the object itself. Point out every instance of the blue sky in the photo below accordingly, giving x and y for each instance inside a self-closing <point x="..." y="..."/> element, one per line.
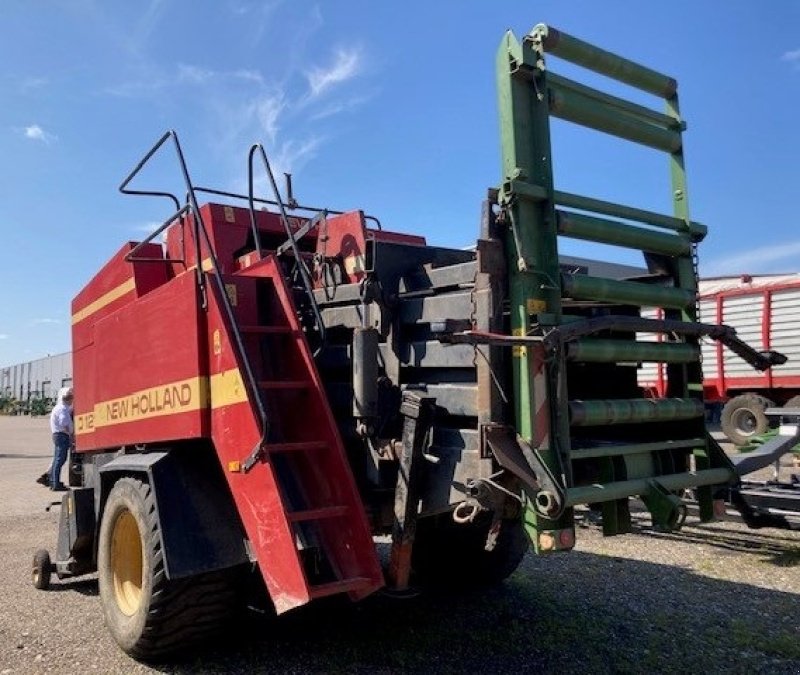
<point x="385" y="106"/>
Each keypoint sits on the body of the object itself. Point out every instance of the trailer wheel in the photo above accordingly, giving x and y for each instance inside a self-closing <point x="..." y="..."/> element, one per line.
<point x="449" y="554"/>
<point x="743" y="417"/>
<point x="42" y="569"/>
<point x="150" y="616"/>
<point x="793" y="402"/>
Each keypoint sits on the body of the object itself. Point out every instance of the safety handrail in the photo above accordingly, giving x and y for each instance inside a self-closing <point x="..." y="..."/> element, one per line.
<point x="200" y="230"/>
<point x="289" y="206"/>
<point x="304" y="275"/>
<point x="179" y="214"/>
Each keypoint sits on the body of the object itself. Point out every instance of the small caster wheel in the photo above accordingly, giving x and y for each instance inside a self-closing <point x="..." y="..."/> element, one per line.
<point x="42" y="569"/>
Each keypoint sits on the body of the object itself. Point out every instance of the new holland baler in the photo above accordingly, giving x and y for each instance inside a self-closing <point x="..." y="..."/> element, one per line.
<point x="273" y="386"/>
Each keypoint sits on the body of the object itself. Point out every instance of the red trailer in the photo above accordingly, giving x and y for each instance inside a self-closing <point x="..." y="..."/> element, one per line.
<point x="765" y="312"/>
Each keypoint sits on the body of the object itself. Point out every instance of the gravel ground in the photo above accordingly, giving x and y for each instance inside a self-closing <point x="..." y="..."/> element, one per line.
<point x="717" y="598"/>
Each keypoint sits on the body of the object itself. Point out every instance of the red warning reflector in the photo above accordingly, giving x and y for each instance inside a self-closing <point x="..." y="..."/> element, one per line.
<point x="566" y="538"/>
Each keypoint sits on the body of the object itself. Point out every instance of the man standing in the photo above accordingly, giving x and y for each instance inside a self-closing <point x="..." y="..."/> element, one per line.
<point x="62" y="427"/>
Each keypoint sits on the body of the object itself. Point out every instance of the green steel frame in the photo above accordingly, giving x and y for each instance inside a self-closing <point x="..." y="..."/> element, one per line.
<point x="529" y="94"/>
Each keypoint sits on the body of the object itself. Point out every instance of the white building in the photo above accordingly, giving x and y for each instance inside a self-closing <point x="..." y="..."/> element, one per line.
<point x="39" y="378"/>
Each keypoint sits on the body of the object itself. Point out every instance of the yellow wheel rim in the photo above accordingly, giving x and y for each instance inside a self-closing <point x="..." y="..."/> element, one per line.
<point x="126" y="563"/>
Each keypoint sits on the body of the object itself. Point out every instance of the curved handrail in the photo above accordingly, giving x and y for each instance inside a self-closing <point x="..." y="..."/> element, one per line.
<point x="200" y="230"/>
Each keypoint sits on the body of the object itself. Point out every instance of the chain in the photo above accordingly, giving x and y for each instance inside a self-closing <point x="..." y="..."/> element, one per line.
<point x="473" y="314"/>
<point x="696" y="272"/>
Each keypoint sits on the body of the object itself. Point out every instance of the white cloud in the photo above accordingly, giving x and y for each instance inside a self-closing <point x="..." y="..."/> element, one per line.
<point x="268" y="111"/>
<point x="41" y="321"/>
<point x="35" y="133"/>
<point x="258" y="16"/>
<point x="346" y="65"/>
<point x="249" y="75"/>
<point x="3" y="336"/>
<point x="194" y="74"/>
<point x="34" y="83"/>
<point x="793" y="56"/>
<point x="341" y="106"/>
<point x="144" y="28"/>
<point x="755" y="260"/>
<point x="292" y="155"/>
<point x="147" y="228"/>
<point x="136" y="88"/>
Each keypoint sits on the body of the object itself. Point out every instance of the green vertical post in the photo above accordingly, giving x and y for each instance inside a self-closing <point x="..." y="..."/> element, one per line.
<point x="687" y="279"/>
<point x="530" y="240"/>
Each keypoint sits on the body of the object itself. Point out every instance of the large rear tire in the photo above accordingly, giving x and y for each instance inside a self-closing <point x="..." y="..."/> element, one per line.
<point x="150" y="616"/>
<point x="743" y="417"/>
<point x="453" y="555"/>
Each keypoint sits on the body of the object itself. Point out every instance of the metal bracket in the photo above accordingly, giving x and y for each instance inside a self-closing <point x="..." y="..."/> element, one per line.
<point x="668" y="511"/>
<point x="251" y="459"/>
<point x="418" y="412"/>
<point x="514" y="454"/>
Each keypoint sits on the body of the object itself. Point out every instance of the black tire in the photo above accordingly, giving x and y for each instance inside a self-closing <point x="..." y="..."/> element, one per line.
<point x="448" y="554"/>
<point x="151" y="617"/>
<point x="793" y="402"/>
<point x="42" y="569"/>
<point x="743" y="417"/>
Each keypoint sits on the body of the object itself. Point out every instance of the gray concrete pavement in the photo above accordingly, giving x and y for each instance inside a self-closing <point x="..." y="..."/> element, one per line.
<point x="26" y="450"/>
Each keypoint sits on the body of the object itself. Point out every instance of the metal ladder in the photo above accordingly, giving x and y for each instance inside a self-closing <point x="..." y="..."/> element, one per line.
<point x="650" y="457"/>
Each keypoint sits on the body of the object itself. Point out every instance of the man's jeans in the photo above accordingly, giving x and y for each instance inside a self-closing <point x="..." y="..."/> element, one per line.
<point x="61" y="443"/>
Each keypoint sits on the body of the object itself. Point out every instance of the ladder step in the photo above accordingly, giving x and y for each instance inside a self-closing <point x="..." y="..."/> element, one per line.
<point x="318" y="514"/>
<point x="283" y="384"/>
<point x="343" y="586"/>
<point x="583" y="287"/>
<point x="633" y="411"/>
<point x="613" y="351"/>
<point x="266" y="330"/>
<point x="634" y="449"/>
<point x="301" y="446"/>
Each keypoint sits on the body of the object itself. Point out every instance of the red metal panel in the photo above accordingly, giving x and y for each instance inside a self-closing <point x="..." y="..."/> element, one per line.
<point x="766" y="330"/>
<point x="759" y="382"/>
<point x="345" y="237"/>
<point x="116" y="284"/>
<point x="720" y="359"/>
<point x="397" y="237"/>
<point x="228" y="230"/>
<point x="150" y="378"/>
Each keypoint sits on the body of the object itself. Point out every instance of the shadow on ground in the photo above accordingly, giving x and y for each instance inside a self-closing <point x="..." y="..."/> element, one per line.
<point x="581" y="612"/>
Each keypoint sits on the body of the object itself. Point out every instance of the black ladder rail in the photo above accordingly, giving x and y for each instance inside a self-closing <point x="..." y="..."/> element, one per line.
<point x="291" y="239"/>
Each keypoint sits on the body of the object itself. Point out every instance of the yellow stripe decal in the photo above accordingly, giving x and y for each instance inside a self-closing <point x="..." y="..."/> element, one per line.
<point x="103" y="300"/>
<point x="226" y="388"/>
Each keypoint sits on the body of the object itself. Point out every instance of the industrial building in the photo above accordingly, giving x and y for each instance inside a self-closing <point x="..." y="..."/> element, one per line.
<point x="40" y="378"/>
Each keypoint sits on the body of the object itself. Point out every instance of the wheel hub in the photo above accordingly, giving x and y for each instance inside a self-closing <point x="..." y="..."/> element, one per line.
<point x="745" y="421"/>
<point x="126" y="563"/>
